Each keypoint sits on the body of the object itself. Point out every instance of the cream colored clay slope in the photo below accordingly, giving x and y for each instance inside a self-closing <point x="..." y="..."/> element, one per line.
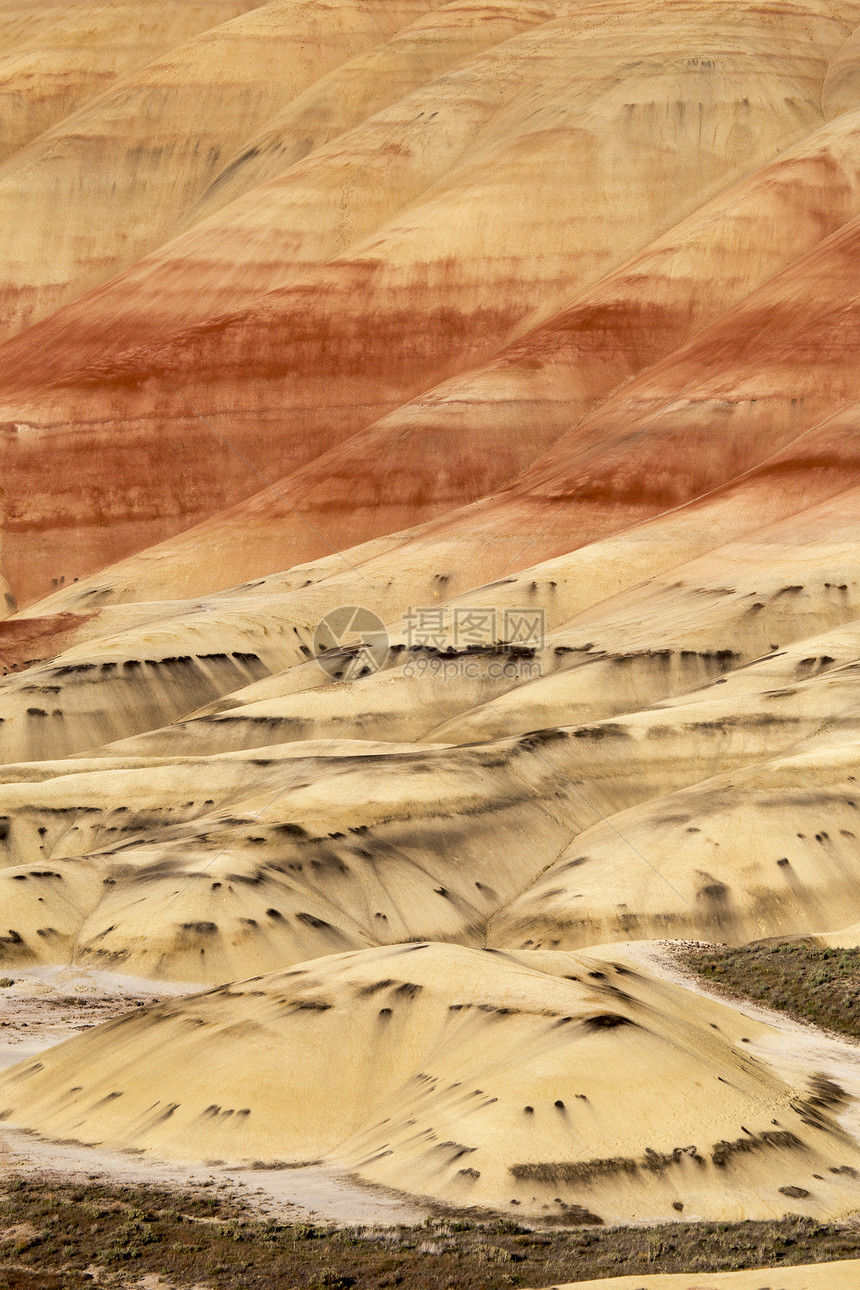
<point x="535" y="1083"/>
<point x="56" y="57"/>
<point x="817" y="1276"/>
<point x="449" y="35"/>
<point x="746" y="716"/>
<point x="841" y="90"/>
<point x="770" y="849"/>
<point x="320" y="852"/>
<point x="334" y="849"/>
<point x="431" y="290"/>
<point x="847" y="938"/>
<point x="154" y="140"/>
<point x="765" y="706"/>
<point x="667" y="636"/>
<point x="778" y="585"/>
<point x="664" y="637"/>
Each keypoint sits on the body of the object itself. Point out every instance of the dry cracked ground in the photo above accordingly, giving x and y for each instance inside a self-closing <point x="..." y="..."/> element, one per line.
<point x="429" y="600"/>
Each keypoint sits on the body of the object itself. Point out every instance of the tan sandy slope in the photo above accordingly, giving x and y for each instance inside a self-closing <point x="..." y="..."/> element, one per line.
<point x="533" y="1082"/>
<point x="56" y="57"/>
<point x="821" y="1276"/>
<point x="613" y="794"/>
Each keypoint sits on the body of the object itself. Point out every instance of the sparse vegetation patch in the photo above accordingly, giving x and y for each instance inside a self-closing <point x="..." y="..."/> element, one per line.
<point x="58" y="1234"/>
<point x="806" y="981"/>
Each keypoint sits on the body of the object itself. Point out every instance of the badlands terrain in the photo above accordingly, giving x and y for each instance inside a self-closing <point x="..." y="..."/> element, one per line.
<point x="429" y="587"/>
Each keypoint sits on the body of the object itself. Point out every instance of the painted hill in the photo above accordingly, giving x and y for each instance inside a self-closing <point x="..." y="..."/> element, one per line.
<point x="535" y="1083"/>
<point x="531" y="329"/>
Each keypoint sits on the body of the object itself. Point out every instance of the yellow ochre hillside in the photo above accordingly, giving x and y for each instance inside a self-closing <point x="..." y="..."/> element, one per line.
<point x="515" y="342"/>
